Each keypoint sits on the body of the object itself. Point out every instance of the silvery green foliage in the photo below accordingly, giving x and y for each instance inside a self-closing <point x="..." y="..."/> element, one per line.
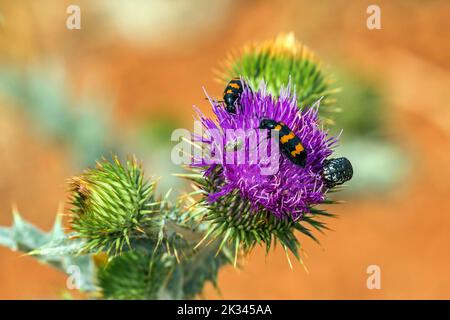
<point x="53" y="248"/>
<point x="147" y="272"/>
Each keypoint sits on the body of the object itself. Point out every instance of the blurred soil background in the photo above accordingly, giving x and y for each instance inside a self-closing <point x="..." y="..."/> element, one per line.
<point x="131" y="75"/>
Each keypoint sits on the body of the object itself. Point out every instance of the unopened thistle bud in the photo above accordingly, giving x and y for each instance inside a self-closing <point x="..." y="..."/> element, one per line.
<point x="112" y="204"/>
<point x="278" y="62"/>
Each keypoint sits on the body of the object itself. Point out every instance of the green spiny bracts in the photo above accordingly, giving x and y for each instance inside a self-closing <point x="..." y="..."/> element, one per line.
<point x="112" y="204"/>
<point x="279" y="62"/>
<point x="233" y="223"/>
<point x="136" y="275"/>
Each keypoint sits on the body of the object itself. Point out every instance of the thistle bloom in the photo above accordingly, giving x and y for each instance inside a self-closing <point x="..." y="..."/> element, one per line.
<point x="290" y="191"/>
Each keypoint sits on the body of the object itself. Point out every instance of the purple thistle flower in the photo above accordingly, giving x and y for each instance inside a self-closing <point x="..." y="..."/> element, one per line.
<point x="288" y="192"/>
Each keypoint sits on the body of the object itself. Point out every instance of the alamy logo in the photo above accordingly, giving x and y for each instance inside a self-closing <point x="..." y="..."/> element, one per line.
<point x="374" y="18"/>
<point x="374" y="279"/>
<point x="235" y="147"/>
<point x="74" y="280"/>
<point x="73" y="21"/>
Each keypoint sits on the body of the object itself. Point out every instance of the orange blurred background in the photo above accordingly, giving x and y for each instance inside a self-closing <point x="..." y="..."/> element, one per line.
<point x="131" y="75"/>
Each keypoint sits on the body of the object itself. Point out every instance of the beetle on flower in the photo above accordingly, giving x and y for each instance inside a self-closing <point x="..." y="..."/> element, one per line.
<point x="245" y="205"/>
<point x="293" y="189"/>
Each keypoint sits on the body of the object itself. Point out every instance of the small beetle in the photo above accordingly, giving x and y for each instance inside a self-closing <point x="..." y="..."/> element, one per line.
<point x="336" y="171"/>
<point x="290" y="144"/>
<point x="232" y="93"/>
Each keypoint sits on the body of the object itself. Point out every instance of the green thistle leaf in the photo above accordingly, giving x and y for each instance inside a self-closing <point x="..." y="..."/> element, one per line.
<point x="60" y="246"/>
<point x="53" y="248"/>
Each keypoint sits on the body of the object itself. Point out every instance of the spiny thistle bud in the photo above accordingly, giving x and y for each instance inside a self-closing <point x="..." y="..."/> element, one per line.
<point x="136" y="275"/>
<point x="279" y="62"/>
<point x="111" y="204"/>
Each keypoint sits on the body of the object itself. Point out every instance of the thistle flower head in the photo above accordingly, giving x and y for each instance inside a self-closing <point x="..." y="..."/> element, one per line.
<point x="244" y="205"/>
<point x="286" y="190"/>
